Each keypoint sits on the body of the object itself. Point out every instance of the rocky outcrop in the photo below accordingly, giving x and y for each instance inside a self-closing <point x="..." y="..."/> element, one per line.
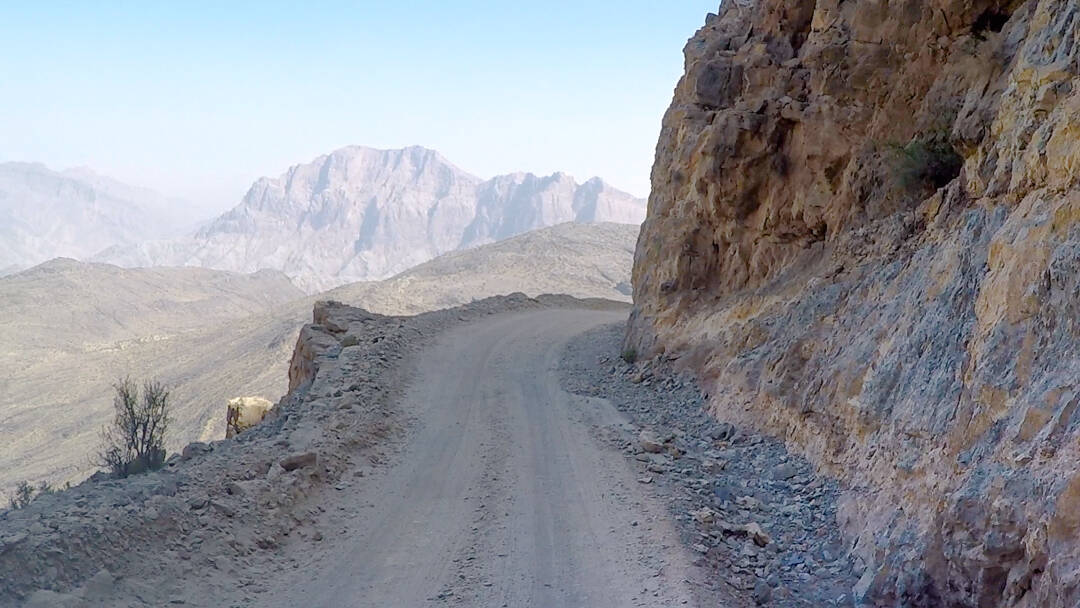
<point x="243" y="413"/>
<point x="864" y="237"/>
<point x="324" y="338"/>
<point x="360" y="214"/>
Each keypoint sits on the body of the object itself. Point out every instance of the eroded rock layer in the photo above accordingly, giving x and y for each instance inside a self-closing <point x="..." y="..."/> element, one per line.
<point x="864" y="236"/>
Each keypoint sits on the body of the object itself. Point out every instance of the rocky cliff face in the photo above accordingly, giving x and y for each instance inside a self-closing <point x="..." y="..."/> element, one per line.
<point x="864" y="236"/>
<point x="362" y="214"/>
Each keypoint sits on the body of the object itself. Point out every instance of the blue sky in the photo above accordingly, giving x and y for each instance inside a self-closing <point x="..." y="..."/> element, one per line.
<point x="198" y="99"/>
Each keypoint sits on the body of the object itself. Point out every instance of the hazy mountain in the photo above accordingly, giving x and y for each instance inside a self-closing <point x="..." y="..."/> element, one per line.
<point x="363" y="214"/>
<point x="71" y="329"/>
<point x="46" y="214"/>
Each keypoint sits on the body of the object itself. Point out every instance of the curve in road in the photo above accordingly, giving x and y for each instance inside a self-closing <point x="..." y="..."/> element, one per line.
<point x="502" y="496"/>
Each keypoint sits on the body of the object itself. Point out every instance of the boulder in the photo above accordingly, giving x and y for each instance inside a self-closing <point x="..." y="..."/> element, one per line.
<point x="650" y="442"/>
<point x="299" y="461"/>
<point x="244" y="413"/>
<point x="194" y="449"/>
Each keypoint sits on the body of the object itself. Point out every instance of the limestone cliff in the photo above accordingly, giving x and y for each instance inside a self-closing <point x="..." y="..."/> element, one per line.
<point x="864" y="236"/>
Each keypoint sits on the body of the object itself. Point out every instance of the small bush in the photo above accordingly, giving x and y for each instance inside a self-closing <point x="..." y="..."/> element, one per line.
<point x="24" y="495"/>
<point x="926" y="162"/>
<point x="629" y="355"/>
<point x="135" y="441"/>
<point x="350" y="340"/>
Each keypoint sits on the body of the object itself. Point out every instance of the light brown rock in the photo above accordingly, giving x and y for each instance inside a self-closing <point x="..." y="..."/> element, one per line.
<point x="299" y="461"/>
<point x="922" y="343"/>
<point x="245" y="412"/>
<point x="650" y="442"/>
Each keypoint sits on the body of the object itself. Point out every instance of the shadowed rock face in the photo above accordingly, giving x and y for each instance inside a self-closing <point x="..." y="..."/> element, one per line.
<point x="921" y="343"/>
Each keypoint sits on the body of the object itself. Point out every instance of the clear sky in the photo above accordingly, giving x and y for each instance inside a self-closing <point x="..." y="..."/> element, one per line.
<point x="198" y="99"/>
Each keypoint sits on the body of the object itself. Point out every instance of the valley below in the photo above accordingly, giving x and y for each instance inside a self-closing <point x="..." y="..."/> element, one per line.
<point x="77" y="328"/>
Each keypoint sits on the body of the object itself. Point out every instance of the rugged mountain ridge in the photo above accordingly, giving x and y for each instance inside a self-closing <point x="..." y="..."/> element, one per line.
<point x="864" y="237"/>
<point x="361" y="214"/>
<point x="46" y="214"/>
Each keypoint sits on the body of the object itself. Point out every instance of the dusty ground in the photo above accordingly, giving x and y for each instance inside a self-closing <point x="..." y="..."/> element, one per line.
<point x="437" y="462"/>
<point x="501" y="497"/>
<point x="484" y="456"/>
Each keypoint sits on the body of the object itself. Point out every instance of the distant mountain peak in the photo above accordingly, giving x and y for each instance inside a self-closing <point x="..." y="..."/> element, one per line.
<point x="361" y="213"/>
<point x="74" y="213"/>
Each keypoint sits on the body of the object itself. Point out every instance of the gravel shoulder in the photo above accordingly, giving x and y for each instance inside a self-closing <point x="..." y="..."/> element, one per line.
<point x="760" y="520"/>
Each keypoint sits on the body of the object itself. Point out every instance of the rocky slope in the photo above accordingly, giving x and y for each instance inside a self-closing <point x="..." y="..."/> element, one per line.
<point x="583" y="260"/>
<point x="864" y="237"/>
<point x="74" y="328"/>
<point x="363" y="214"/>
<point x="46" y="214"/>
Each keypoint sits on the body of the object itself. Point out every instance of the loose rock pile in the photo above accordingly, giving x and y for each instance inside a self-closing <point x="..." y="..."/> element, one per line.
<point x="759" y="517"/>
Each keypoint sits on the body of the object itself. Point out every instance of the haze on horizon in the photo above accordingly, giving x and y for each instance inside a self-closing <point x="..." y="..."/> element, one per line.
<point x="199" y="100"/>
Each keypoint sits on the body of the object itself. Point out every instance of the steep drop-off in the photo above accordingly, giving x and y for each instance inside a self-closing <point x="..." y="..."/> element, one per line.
<point x="864" y="236"/>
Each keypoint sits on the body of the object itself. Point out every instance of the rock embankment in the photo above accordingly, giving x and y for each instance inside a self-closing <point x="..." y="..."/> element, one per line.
<point x="864" y="238"/>
<point x="204" y="530"/>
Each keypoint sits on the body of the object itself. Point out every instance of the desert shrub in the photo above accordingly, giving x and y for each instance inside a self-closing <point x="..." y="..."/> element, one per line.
<point x="135" y="441"/>
<point x="350" y="340"/>
<point x="24" y="495"/>
<point x="629" y="355"/>
<point x="926" y="162"/>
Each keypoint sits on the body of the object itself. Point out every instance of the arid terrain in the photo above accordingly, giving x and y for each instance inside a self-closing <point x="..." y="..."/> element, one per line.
<point x="847" y="375"/>
<point x="499" y="453"/>
<point x="76" y="328"/>
<point x="864" y="238"/>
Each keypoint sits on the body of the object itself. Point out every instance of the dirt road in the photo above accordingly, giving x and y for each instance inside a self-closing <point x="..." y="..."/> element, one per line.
<point x="502" y="496"/>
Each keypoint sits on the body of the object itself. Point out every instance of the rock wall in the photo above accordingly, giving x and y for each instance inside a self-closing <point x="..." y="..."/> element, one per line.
<point x="910" y="323"/>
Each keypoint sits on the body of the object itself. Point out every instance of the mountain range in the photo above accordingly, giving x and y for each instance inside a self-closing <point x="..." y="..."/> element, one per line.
<point x="361" y="214"/>
<point x="46" y="214"/>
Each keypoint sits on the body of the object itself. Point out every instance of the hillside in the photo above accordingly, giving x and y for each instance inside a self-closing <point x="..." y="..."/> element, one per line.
<point x="581" y="260"/>
<point x="215" y="335"/>
<point x="99" y="305"/>
<point x="364" y="214"/>
<point x="46" y="214"/>
<point x="864" y="238"/>
<point x="74" y="328"/>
